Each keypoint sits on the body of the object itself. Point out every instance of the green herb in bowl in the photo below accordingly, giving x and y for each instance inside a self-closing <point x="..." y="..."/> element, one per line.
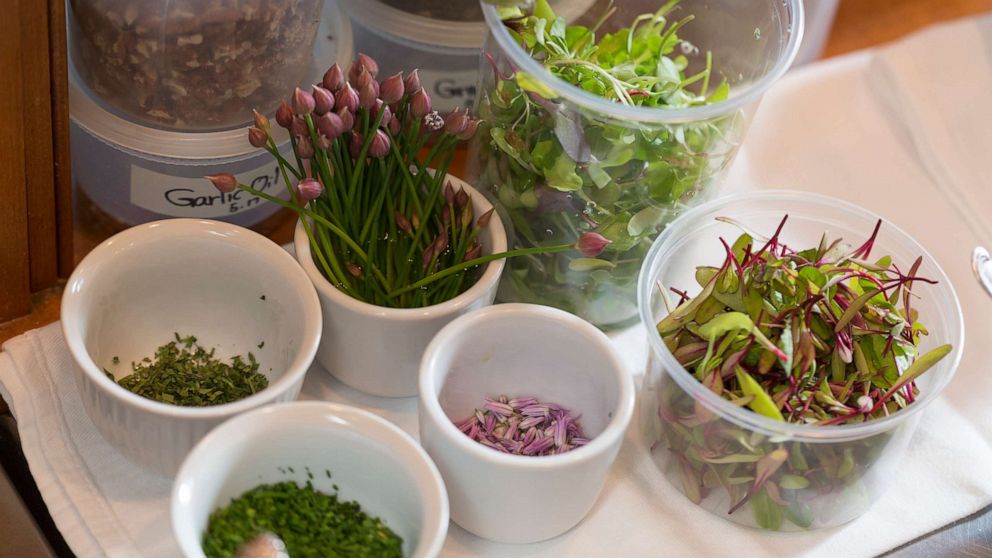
<point x="186" y="374"/>
<point x="310" y="523"/>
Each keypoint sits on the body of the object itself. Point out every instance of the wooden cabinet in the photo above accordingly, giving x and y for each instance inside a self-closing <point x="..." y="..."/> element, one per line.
<point x="35" y="196"/>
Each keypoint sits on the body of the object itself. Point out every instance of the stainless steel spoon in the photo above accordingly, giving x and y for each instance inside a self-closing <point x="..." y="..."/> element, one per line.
<point x="981" y="264"/>
<point x="263" y="545"/>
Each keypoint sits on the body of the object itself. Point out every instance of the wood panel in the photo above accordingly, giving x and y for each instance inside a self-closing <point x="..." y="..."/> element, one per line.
<point x="59" y="87"/>
<point x="15" y="275"/>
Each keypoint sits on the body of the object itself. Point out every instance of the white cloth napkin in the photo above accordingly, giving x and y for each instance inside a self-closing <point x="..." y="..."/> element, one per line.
<point x="865" y="127"/>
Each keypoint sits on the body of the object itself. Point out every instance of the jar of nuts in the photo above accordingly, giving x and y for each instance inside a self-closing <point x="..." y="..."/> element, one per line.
<point x="192" y="65"/>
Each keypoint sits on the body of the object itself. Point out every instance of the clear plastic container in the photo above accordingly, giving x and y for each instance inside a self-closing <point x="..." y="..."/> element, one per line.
<point x="632" y="169"/>
<point x="441" y="38"/>
<point x="192" y="65"/>
<point x="125" y="173"/>
<point x="707" y="446"/>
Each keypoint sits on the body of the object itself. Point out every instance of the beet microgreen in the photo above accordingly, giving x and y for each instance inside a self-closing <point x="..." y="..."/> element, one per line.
<point x="559" y="171"/>
<point x="824" y="337"/>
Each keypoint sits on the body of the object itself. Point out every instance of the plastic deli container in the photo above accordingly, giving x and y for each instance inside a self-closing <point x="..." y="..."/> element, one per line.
<point x="709" y="448"/>
<point x="125" y="173"/>
<point x="192" y="64"/>
<point x="441" y="38"/>
<point x="570" y="162"/>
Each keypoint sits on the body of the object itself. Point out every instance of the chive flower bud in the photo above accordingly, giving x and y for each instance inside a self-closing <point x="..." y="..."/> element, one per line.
<point x="392" y="88"/>
<point x="330" y="125"/>
<point x="412" y="81"/>
<point x="441" y="242"/>
<point x="456" y="122"/>
<point x="420" y="104"/>
<point x="449" y="194"/>
<point x="304" y="147"/>
<point x="380" y="145"/>
<point x="323" y="100"/>
<point x="466" y="216"/>
<point x="347" y="98"/>
<point x="461" y="197"/>
<point x="323" y="142"/>
<point x="415" y="220"/>
<point x="474" y="252"/>
<point x="308" y="190"/>
<point x="403" y="223"/>
<point x="333" y="79"/>
<point x="591" y="244"/>
<point x="300" y="128"/>
<point x="257" y="137"/>
<point x="387" y="115"/>
<point x="394" y="126"/>
<point x="261" y="121"/>
<point x="354" y="269"/>
<point x="367" y="96"/>
<point x="469" y="130"/>
<point x="427" y="256"/>
<point x="483" y="220"/>
<point x="446" y="215"/>
<point x="362" y="79"/>
<point x="347" y="119"/>
<point x="355" y="144"/>
<point x="224" y="182"/>
<point x="302" y="102"/>
<point x="363" y="62"/>
<point x="284" y="115"/>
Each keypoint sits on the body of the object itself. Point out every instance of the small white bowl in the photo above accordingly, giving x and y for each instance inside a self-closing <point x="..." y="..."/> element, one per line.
<point x="370" y="460"/>
<point x="522" y="350"/>
<point x="132" y="293"/>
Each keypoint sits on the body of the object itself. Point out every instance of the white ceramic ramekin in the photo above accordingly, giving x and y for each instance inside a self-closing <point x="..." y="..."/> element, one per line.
<point x="370" y="460"/>
<point x="521" y="350"/>
<point x="233" y="289"/>
<point x="376" y="349"/>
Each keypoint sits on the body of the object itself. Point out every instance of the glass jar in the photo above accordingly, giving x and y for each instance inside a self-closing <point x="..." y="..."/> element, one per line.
<point x="709" y="448"/>
<point x="568" y="161"/>
<point x="192" y="65"/>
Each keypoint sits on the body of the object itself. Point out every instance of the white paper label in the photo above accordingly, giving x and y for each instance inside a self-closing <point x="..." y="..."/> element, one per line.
<point x="450" y="90"/>
<point x="197" y="197"/>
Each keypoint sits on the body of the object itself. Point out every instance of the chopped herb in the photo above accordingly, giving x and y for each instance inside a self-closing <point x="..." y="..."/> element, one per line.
<point x="184" y="373"/>
<point x="116" y="360"/>
<point x="311" y="523"/>
<point x="261" y="297"/>
<point x="262" y="344"/>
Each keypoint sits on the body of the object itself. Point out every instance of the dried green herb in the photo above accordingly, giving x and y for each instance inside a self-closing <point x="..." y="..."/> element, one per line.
<point x="186" y="374"/>
<point x="822" y="336"/>
<point x="311" y="523"/>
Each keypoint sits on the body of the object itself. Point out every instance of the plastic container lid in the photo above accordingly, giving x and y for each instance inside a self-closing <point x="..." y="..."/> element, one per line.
<point x="440" y="32"/>
<point x="156" y="143"/>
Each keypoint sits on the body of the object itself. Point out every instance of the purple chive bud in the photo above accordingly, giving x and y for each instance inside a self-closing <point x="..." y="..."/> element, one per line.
<point x="355" y="144"/>
<point x="347" y="119"/>
<point x="224" y="182"/>
<point x="591" y="244"/>
<point x="427" y="256"/>
<point x="466" y="216"/>
<point x="449" y="193"/>
<point x="456" y="122"/>
<point x="323" y="100"/>
<point x="330" y="125"/>
<point x="412" y="81"/>
<point x="474" y="252"/>
<point x="387" y="114"/>
<point x="368" y="63"/>
<point x="441" y="242"/>
<point x="380" y="145"/>
<point x="361" y="79"/>
<point x="257" y="137"/>
<point x="299" y="127"/>
<point x="469" y="130"/>
<point x="420" y="104"/>
<point x="303" y="102"/>
<point x="483" y="222"/>
<point x="394" y="126"/>
<point x="446" y="215"/>
<point x="333" y="78"/>
<point x="403" y="223"/>
<point x="304" y="147"/>
<point x="347" y="98"/>
<point x="367" y="97"/>
<point x="261" y="122"/>
<point x="284" y="115"/>
<point x="353" y="269"/>
<point x="461" y="197"/>
<point x="308" y="190"/>
<point x="392" y="88"/>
